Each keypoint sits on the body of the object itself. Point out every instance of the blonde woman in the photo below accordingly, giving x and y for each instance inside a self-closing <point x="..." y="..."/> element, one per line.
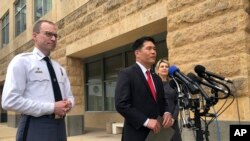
<point x="171" y="96"/>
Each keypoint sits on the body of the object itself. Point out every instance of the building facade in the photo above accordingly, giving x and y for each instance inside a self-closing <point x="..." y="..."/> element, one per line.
<point x="95" y="38"/>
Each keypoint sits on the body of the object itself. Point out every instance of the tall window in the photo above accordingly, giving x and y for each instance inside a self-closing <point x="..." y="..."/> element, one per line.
<point x="94" y="86"/>
<point x="5" y="30"/>
<point x="101" y="77"/>
<point x="112" y="65"/>
<point x="41" y="8"/>
<point x="102" y="71"/>
<point x="20" y="16"/>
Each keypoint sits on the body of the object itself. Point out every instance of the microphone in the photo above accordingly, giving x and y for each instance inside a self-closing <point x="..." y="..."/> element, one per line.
<point x="196" y="82"/>
<point x="200" y="81"/>
<point x="201" y="71"/>
<point x="173" y="71"/>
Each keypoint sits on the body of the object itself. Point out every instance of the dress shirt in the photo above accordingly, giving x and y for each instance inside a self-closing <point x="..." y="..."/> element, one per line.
<point x="145" y="75"/>
<point x="144" y="72"/>
<point x="27" y="88"/>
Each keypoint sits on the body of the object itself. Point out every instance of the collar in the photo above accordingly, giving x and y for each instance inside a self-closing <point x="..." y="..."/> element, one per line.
<point x="142" y="67"/>
<point x="38" y="53"/>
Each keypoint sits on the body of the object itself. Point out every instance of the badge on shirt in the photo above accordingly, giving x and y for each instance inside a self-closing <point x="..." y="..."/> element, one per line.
<point x="38" y="71"/>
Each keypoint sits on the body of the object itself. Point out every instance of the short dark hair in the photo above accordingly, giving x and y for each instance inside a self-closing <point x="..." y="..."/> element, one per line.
<point x="37" y="25"/>
<point x="139" y="42"/>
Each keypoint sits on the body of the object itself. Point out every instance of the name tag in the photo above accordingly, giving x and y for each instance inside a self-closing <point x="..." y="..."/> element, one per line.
<point x="38" y="70"/>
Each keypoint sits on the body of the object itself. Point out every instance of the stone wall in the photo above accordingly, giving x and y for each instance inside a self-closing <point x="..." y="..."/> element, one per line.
<point x="212" y="33"/>
<point x="98" y="21"/>
<point x="215" y="34"/>
<point x="83" y="25"/>
<point x="5" y="60"/>
<point x="95" y="15"/>
<point x="93" y="23"/>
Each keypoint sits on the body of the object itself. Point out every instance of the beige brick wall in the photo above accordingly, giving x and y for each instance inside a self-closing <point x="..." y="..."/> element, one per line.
<point x="99" y="26"/>
<point x="214" y="33"/>
<point x="86" y="28"/>
<point x="109" y="20"/>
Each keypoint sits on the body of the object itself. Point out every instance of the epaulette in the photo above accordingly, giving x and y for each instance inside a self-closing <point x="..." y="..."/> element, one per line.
<point x="26" y="53"/>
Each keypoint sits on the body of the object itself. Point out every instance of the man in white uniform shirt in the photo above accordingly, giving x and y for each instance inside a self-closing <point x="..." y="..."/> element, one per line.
<point x="28" y="89"/>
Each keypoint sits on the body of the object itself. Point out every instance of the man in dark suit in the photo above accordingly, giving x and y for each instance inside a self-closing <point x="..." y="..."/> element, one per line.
<point x="139" y="94"/>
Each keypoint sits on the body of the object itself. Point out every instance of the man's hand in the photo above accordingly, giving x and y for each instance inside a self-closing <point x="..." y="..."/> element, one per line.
<point x="154" y="125"/>
<point x="60" y="108"/>
<point x="167" y="120"/>
<point x="69" y="105"/>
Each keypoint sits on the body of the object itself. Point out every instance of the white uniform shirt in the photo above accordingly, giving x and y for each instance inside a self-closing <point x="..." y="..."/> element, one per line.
<point x="28" y="88"/>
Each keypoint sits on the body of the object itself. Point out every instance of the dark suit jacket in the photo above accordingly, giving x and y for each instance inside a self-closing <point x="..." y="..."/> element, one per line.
<point x="134" y="101"/>
<point x="172" y="99"/>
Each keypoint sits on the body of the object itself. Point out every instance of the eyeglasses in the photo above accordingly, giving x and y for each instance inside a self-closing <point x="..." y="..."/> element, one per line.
<point x="50" y="34"/>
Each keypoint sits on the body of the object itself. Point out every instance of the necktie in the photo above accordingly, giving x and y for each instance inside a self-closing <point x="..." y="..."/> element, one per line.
<point x="55" y="85"/>
<point x="151" y="85"/>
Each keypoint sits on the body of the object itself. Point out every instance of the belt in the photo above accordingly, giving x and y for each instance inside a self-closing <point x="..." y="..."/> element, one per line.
<point x="51" y="116"/>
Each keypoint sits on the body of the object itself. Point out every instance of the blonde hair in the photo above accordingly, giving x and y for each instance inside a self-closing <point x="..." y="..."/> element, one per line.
<point x="158" y="64"/>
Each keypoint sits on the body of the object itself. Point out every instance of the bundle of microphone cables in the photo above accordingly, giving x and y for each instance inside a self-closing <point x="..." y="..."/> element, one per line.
<point x="199" y="93"/>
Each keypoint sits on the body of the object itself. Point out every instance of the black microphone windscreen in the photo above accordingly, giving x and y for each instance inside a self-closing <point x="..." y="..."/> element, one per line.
<point x="193" y="77"/>
<point x="200" y="70"/>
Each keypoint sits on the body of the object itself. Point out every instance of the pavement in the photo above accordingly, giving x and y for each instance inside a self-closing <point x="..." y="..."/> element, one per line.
<point x="9" y="133"/>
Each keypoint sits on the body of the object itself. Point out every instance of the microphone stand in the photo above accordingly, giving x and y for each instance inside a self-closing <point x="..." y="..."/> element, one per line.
<point x="186" y="102"/>
<point x="183" y="102"/>
<point x="197" y="120"/>
<point x="194" y="105"/>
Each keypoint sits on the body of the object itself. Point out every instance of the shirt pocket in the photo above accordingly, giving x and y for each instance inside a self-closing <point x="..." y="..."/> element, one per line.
<point x="60" y="77"/>
<point x="39" y="77"/>
<point x="61" y="80"/>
